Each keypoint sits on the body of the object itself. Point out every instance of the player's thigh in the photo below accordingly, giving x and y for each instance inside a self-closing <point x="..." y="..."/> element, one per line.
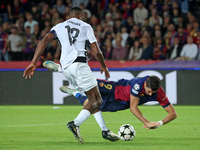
<point x="70" y="73"/>
<point x="94" y="94"/>
<point x="84" y="77"/>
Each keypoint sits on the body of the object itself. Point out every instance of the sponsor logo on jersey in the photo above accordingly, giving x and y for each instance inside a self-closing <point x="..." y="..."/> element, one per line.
<point x="101" y="84"/>
<point x="136" y="86"/>
<point x="134" y="91"/>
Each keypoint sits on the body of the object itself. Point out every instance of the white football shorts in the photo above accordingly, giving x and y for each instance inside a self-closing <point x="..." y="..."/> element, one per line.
<point x="80" y="76"/>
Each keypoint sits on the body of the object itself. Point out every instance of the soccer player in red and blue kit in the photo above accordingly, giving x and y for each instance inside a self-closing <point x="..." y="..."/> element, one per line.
<point x="126" y="94"/>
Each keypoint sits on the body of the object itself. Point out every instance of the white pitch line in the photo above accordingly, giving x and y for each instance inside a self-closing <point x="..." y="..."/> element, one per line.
<point x="84" y="123"/>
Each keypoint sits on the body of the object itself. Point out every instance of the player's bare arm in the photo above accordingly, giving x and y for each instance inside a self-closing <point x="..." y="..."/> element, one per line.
<point x="39" y="50"/>
<point x="134" y="101"/>
<point x="100" y="58"/>
<point x="171" y="114"/>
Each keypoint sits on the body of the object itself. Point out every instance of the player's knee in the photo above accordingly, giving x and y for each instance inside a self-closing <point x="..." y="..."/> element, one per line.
<point x="97" y="103"/>
<point x="100" y="101"/>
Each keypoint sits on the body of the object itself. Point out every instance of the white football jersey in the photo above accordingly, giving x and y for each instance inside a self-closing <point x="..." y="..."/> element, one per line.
<point x="72" y="35"/>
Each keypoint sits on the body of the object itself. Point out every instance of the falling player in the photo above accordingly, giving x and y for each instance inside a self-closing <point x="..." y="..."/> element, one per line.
<point x="126" y="94"/>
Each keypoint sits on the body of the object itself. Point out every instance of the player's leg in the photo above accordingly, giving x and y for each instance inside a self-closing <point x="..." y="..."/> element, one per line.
<point x="52" y="66"/>
<point x="83" y="99"/>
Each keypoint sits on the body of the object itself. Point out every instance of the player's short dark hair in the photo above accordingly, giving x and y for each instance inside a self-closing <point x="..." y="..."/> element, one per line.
<point x="76" y="11"/>
<point x="153" y="82"/>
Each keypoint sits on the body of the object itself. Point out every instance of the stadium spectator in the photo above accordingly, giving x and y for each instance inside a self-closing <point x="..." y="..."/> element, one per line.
<point x="147" y="53"/>
<point x="189" y="29"/>
<point x="140" y="13"/>
<point x="157" y="36"/>
<point x="66" y="14"/>
<point x="20" y="23"/>
<point x="168" y="39"/>
<point x="36" y="31"/>
<point x="55" y="18"/>
<point x="118" y="36"/>
<point x="36" y="13"/>
<point x="118" y="26"/>
<point x="93" y="8"/>
<point x="155" y="18"/>
<point x="78" y="2"/>
<point x="109" y="19"/>
<point x="189" y="51"/>
<point x="3" y="50"/>
<point x="129" y="24"/>
<point x="94" y="22"/>
<point x="195" y="27"/>
<point x="14" y="45"/>
<point x="119" y="52"/>
<point x="107" y="50"/>
<point x="45" y="11"/>
<point x="137" y="30"/>
<point x="147" y="26"/>
<point x="160" y="50"/>
<point x="175" y="16"/>
<point x="181" y="35"/>
<point x="14" y="10"/>
<point x="30" y="22"/>
<point x="165" y="23"/>
<point x="29" y="44"/>
<point x="124" y="34"/>
<point x="51" y="50"/>
<point x="3" y="11"/>
<point x="135" y="51"/>
<point x="181" y="22"/>
<point x="174" y="51"/>
<point x="60" y="7"/>
<point x="6" y="27"/>
<point x="126" y="9"/>
<point x="196" y="38"/>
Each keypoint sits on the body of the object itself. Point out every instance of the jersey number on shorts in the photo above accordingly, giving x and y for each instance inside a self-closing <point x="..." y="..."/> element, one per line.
<point x="72" y="39"/>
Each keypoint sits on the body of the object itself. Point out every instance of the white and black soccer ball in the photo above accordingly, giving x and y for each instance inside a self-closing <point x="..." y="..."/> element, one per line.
<point x="126" y="132"/>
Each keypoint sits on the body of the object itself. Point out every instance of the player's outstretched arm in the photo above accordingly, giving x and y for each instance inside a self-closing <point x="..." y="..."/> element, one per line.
<point x="171" y="114"/>
<point x="134" y="101"/>
<point x="39" y="50"/>
<point x="100" y="58"/>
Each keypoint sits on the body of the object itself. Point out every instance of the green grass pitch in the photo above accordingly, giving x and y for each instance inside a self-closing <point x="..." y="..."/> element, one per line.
<point x="42" y="127"/>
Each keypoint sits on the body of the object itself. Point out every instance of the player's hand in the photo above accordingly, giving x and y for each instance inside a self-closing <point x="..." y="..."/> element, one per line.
<point x="29" y="71"/>
<point x="151" y="125"/>
<point x="105" y="69"/>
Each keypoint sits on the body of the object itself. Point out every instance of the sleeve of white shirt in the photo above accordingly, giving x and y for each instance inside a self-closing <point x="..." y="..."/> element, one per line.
<point x="195" y="51"/>
<point x="90" y="34"/>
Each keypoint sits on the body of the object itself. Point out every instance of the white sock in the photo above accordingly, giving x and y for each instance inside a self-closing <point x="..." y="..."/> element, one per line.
<point x="82" y="116"/>
<point x="75" y="92"/>
<point x="99" y="118"/>
<point x="59" y="69"/>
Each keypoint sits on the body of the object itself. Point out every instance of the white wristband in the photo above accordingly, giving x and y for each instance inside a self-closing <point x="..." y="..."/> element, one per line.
<point x="161" y="123"/>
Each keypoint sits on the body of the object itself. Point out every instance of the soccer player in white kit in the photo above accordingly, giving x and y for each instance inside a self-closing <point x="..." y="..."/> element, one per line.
<point x="72" y="35"/>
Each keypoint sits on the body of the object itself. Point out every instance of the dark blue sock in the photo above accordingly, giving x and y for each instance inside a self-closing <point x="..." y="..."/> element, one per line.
<point x="81" y="98"/>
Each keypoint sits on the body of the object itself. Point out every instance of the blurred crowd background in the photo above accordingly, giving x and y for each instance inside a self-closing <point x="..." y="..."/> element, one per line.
<point x="125" y="29"/>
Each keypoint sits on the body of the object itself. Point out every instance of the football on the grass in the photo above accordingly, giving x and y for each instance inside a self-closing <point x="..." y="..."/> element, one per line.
<point x="126" y="132"/>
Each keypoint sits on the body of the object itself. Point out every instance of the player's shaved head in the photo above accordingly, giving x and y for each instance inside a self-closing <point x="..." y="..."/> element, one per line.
<point x="75" y="11"/>
<point x="153" y="82"/>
